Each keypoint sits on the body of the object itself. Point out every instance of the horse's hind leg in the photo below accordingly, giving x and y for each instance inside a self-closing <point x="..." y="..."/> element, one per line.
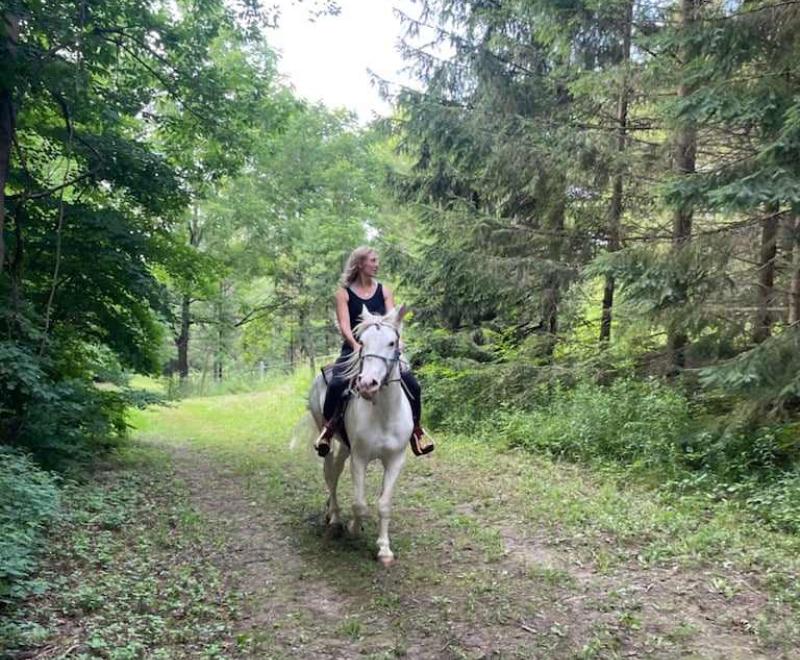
<point x="391" y="470"/>
<point x="334" y="463"/>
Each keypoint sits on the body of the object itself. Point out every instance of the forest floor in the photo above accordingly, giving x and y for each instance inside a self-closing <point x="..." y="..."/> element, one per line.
<point x="206" y="539"/>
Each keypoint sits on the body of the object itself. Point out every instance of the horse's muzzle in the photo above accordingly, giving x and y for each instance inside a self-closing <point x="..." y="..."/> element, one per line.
<point x="367" y="387"/>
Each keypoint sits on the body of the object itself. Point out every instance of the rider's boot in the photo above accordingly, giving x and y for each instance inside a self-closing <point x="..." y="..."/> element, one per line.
<point x="323" y="442"/>
<point x="418" y="445"/>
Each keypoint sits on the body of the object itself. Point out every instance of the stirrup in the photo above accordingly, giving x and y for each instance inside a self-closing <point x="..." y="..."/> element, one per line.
<point x="323" y="442"/>
<point x="416" y="442"/>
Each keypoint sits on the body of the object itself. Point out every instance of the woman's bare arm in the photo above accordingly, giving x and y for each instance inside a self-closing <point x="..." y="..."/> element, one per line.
<point x="343" y="316"/>
<point x="388" y="298"/>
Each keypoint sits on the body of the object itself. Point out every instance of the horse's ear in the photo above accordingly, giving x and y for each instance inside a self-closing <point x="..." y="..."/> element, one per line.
<point x="365" y="313"/>
<point x="397" y="314"/>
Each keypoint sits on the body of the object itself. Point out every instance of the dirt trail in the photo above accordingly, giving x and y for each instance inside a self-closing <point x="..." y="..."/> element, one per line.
<point x="472" y="581"/>
<point x="288" y="612"/>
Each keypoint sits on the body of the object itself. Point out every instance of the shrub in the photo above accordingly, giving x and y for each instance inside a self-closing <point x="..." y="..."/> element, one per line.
<point x="778" y="502"/>
<point x="59" y="419"/>
<point x="28" y="500"/>
<point x="459" y="394"/>
<point x="635" y="422"/>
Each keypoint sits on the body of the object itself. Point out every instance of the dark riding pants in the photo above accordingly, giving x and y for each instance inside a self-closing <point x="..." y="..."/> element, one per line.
<point x="338" y="385"/>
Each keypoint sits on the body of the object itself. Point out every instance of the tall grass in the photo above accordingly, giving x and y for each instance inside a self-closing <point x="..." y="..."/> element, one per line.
<point x="650" y="428"/>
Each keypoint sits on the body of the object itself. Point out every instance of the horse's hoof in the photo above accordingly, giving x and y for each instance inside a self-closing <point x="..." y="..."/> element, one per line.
<point x="386" y="561"/>
<point x="334" y="530"/>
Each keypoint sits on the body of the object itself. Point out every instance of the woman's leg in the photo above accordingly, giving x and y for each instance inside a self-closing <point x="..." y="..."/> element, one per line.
<point x="414" y="391"/>
<point x="333" y="396"/>
<point x="330" y="409"/>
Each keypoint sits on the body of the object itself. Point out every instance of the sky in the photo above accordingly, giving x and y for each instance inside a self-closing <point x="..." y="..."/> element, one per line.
<point x="328" y="59"/>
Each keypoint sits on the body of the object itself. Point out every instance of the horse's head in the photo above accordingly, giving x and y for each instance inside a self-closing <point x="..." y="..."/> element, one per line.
<point x="380" y="349"/>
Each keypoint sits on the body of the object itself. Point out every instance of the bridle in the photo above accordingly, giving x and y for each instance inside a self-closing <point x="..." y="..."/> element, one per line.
<point x="390" y="362"/>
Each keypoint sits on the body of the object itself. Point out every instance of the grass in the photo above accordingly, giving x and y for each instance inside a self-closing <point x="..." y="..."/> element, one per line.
<point x="127" y="572"/>
<point x="595" y="518"/>
<point x="499" y="552"/>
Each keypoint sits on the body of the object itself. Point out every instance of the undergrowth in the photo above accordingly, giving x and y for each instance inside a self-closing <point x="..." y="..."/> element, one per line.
<point x="658" y="433"/>
<point x="128" y="573"/>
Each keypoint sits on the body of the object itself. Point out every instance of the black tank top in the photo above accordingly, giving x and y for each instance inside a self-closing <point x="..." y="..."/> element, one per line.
<point x="355" y="305"/>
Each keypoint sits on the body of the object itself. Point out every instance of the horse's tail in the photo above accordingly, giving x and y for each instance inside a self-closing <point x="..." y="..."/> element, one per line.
<point x="303" y="434"/>
<point x="307" y="428"/>
<point x="316" y="398"/>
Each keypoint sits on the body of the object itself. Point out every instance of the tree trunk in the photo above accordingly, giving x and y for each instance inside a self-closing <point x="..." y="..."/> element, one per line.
<point x="615" y="207"/>
<point x="307" y="340"/>
<point x="794" y="290"/>
<point x="218" y="356"/>
<point x="8" y="47"/>
<point x="765" y="293"/>
<point x="552" y="284"/>
<point x="182" y="341"/>
<point x="291" y="348"/>
<point x="15" y="267"/>
<point x="685" y="150"/>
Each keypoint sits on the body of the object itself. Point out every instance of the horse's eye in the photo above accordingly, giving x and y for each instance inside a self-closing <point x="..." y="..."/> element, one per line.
<point x="391" y="344"/>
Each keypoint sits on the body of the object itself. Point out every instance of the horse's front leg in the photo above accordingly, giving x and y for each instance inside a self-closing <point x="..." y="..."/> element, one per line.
<point x="334" y="463"/>
<point x="391" y="470"/>
<point x="358" y="471"/>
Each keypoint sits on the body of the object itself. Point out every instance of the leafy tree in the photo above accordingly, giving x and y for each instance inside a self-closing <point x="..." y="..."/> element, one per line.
<point x="309" y="194"/>
<point x="96" y="101"/>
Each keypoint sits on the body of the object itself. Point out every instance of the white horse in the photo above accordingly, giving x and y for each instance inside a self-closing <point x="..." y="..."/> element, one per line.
<point x="378" y="423"/>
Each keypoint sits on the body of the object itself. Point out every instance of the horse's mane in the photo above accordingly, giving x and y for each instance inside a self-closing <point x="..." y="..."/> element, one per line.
<point x="366" y="323"/>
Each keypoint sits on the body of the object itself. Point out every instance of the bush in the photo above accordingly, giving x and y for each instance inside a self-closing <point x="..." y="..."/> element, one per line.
<point x="28" y="500"/>
<point x="778" y="502"/>
<point x="738" y="451"/>
<point x="459" y="394"/>
<point x="61" y="419"/>
<point x="649" y="427"/>
<point x="644" y="423"/>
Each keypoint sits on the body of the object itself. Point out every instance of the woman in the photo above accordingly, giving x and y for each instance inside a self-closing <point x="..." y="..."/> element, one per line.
<point x="358" y="289"/>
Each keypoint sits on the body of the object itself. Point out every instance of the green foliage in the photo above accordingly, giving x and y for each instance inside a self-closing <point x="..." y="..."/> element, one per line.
<point x="127" y="567"/>
<point x="774" y="501"/>
<point x="644" y="424"/>
<point x="768" y="375"/>
<point x="457" y="394"/>
<point x="283" y="228"/>
<point x="29" y="498"/>
<point x="651" y="429"/>
<point x="54" y="409"/>
<point x="122" y="113"/>
<point x="546" y="155"/>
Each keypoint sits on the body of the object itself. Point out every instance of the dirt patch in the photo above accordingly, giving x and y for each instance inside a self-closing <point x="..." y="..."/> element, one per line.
<point x="284" y="607"/>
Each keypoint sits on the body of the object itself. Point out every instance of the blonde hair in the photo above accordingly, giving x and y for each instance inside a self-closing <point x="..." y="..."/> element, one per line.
<point x="354" y="261"/>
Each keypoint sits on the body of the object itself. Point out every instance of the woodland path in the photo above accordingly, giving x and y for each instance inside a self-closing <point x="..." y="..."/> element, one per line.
<point x="500" y="554"/>
<point x="216" y="548"/>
